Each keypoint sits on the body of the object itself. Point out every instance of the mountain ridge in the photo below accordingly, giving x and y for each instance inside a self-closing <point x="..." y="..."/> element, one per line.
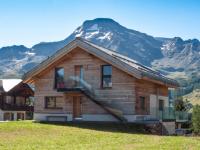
<point x="171" y="56"/>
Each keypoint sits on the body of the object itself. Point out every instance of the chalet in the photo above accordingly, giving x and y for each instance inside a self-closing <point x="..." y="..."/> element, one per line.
<point x="15" y="100"/>
<point x="86" y="82"/>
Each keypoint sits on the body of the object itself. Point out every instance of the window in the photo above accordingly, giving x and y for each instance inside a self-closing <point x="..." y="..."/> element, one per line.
<point x="9" y="100"/>
<point x="142" y="102"/>
<point x="59" y="78"/>
<point x="78" y="75"/>
<point x="50" y="102"/>
<point x="106" y="76"/>
<point x="161" y="105"/>
<point x="8" y="116"/>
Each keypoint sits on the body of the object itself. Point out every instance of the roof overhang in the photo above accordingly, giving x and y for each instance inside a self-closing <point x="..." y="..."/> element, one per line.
<point x="30" y="76"/>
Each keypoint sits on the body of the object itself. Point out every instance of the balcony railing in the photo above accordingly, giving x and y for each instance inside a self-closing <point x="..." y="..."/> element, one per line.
<point x="169" y="113"/>
<point x="16" y="107"/>
<point x="76" y="84"/>
<point x="73" y="83"/>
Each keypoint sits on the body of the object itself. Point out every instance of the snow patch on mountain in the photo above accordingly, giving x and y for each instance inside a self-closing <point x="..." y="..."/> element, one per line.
<point x="105" y="36"/>
<point x="170" y="55"/>
<point x="93" y="27"/>
<point x="30" y="53"/>
<point x="91" y="35"/>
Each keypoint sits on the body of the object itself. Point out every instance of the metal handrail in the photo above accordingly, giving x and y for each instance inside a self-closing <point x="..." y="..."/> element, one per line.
<point x="74" y="82"/>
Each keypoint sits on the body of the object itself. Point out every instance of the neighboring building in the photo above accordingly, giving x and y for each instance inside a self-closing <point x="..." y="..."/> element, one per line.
<point x="83" y="81"/>
<point x="15" y="100"/>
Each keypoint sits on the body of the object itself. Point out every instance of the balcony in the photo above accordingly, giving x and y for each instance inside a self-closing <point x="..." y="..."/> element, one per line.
<point x="14" y="107"/>
<point x="169" y="113"/>
<point x="76" y="84"/>
<point x="73" y="84"/>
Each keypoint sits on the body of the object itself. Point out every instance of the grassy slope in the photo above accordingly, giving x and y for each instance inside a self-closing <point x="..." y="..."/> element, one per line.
<point x="28" y="135"/>
<point x="193" y="97"/>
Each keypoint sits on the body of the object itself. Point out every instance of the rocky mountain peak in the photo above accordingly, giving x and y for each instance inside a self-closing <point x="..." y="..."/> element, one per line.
<point x="167" y="54"/>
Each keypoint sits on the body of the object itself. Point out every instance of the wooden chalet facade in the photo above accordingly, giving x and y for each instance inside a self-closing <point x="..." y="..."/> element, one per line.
<point x="83" y="81"/>
<point x="15" y="103"/>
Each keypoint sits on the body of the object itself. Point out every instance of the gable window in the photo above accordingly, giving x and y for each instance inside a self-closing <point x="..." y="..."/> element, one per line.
<point x="142" y="103"/>
<point x="50" y="102"/>
<point x="59" y="78"/>
<point x="106" y="76"/>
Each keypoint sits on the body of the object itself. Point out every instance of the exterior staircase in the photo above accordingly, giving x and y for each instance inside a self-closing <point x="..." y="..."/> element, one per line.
<point x="86" y="89"/>
<point x="118" y="114"/>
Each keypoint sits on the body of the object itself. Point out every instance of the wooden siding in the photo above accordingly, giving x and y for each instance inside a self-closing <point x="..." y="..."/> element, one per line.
<point x="123" y="94"/>
<point x="145" y="88"/>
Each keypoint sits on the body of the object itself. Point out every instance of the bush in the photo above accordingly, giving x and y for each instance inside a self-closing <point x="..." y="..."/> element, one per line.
<point x="196" y="119"/>
<point x="182" y="105"/>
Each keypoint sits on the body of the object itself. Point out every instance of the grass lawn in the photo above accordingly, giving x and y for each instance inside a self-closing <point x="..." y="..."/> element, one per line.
<point x="29" y="135"/>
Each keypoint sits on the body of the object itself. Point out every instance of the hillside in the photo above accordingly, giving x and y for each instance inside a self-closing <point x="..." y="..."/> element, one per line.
<point x="193" y="97"/>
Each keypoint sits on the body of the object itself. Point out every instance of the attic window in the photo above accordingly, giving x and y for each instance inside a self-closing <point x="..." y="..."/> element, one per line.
<point x="59" y="78"/>
<point x="106" y="76"/>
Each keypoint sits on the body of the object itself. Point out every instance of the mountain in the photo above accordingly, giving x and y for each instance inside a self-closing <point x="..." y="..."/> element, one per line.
<point x="172" y="56"/>
<point x="179" y="55"/>
<point x="110" y="34"/>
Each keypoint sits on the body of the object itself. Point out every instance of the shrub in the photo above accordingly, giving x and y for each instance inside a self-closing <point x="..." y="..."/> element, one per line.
<point x="196" y="118"/>
<point x="179" y="104"/>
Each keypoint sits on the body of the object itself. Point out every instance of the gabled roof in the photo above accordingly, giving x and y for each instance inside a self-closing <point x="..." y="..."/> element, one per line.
<point x="21" y="89"/>
<point x="8" y="84"/>
<point x="15" y="87"/>
<point x="120" y="61"/>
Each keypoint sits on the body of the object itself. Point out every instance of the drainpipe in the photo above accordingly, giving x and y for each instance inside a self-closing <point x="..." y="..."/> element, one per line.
<point x="157" y="93"/>
<point x="157" y="109"/>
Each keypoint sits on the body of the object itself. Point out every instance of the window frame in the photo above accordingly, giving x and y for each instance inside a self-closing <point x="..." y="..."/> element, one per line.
<point x="142" y="107"/>
<point x="105" y="76"/>
<point x="46" y="103"/>
<point x="56" y="76"/>
<point x="159" y="104"/>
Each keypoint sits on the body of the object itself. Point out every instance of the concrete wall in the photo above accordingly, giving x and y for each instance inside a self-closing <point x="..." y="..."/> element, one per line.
<point x="90" y="117"/>
<point x="168" y="128"/>
<point x="43" y="116"/>
<point x="154" y="103"/>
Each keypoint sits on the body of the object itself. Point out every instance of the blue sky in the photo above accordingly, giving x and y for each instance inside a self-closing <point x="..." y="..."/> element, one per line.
<point x="28" y="22"/>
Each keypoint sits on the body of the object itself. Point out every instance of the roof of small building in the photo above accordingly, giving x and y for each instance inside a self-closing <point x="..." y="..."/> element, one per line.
<point x="8" y="84"/>
<point x="120" y="61"/>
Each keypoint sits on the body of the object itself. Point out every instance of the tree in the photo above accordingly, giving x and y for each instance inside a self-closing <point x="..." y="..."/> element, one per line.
<point x="196" y="118"/>
<point x="179" y="104"/>
<point x="182" y="105"/>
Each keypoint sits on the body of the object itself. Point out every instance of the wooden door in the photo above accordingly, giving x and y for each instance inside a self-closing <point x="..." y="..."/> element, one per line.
<point x="76" y="107"/>
<point x="79" y="74"/>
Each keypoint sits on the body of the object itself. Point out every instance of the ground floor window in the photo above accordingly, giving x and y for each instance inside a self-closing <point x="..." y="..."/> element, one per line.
<point x="142" y="105"/>
<point x="8" y="116"/>
<point x="52" y="102"/>
<point x="20" y="116"/>
<point x="142" y="102"/>
<point x="161" y="105"/>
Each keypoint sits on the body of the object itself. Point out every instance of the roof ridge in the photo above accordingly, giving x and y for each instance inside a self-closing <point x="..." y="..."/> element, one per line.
<point x="132" y="65"/>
